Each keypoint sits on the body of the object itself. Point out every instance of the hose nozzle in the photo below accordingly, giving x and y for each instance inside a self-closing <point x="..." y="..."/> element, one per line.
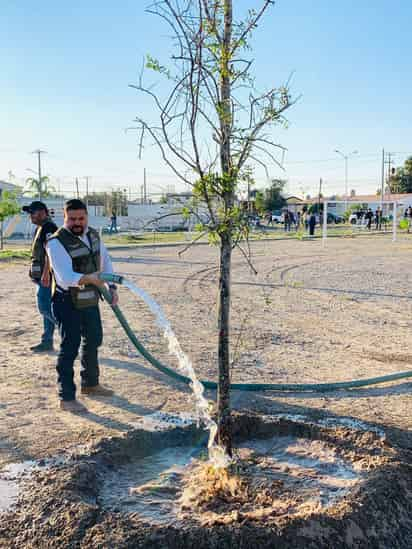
<point x="111" y="277"/>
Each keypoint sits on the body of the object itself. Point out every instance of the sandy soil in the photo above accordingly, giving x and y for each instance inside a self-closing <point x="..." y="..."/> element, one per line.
<point x="309" y="315"/>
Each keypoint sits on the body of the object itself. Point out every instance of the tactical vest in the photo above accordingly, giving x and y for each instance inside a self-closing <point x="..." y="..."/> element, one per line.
<point x="85" y="260"/>
<point x="38" y="253"/>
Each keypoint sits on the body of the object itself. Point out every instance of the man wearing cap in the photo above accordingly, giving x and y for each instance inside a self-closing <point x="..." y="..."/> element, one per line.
<point x="77" y="255"/>
<point x="39" y="272"/>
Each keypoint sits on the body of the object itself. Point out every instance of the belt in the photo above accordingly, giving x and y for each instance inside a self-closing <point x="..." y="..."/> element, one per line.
<point x="62" y="291"/>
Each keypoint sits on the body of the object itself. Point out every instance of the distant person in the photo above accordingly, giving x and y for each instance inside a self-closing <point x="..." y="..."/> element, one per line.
<point x="378" y="219"/>
<point x="298" y="220"/>
<point x="291" y="220"/>
<point x="286" y="220"/>
<point x="369" y="217"/>
<point x="305" y="220"/>
<point x="312" y="224"/>
<point x="113" y="223"/>
<point x="409" y="218"/>
<point x="295" y="220"/>
<point x="39" y="271"/>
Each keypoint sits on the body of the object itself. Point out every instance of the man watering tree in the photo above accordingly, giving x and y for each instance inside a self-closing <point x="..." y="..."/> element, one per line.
<point x="77" y="255"/>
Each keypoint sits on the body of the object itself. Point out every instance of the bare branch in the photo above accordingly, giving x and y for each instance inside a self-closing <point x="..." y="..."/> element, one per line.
<point x="252" y="24"/>
<point x="186" y="248"/>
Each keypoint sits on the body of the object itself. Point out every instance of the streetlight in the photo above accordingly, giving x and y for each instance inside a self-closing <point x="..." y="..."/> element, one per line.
<point x="346" y="157"/>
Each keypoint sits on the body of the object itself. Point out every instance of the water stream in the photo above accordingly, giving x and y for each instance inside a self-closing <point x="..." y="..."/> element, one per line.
<point x="216" y="453"/>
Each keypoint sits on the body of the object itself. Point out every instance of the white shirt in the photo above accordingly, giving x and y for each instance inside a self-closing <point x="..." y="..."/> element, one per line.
<point x="62" y="266"/>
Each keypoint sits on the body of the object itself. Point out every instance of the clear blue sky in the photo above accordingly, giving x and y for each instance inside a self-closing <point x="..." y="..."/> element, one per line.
<point x="66" y="66"/>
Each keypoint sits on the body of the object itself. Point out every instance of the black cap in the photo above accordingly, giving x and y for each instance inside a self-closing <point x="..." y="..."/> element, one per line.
<point x="34" y="207"/>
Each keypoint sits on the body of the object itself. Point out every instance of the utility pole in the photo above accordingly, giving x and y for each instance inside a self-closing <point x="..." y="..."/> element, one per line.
<point x="320" y="193"/>
<point x="388" y="159"/>
<point x="390" y="162"/>
<point x="39" y="152"/>
<point x="77" y="187"/>
<point x="346" y="158"/>
<point x="87" y="191"/>
<point x="383" y="179"/>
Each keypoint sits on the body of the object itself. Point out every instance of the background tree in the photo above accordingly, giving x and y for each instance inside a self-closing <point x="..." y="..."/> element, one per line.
<point x="260" y="202"/>
<point x="401" y="180"/>
<point x="274" y="199"/>
<point x="209" y="124"/>
<point x="116" y="203"/>
<point x="39" y="188"/>
<point x="8" y="207"/>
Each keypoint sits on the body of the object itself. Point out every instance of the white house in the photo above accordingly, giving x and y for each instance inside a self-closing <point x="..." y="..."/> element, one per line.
<point x="373" y="201"/>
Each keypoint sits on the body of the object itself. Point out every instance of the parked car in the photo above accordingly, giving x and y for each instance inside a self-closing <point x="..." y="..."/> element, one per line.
<point x="277" y="216"/>
<point x="357" y="218"/>
<point x="333" y="218"/>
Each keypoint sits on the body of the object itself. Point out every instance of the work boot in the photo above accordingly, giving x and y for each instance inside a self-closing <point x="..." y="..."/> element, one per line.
<point x="97" y="390"/>
<point x="72" y="406"/>
<point x="42" y="348"/>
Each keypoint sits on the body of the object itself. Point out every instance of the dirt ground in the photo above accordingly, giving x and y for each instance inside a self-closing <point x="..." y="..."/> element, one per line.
<point x="64" y="503"/>
<point x="309" y="315"/>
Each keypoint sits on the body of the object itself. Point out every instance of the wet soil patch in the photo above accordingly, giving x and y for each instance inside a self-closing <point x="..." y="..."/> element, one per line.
<point x="67" y="504"/>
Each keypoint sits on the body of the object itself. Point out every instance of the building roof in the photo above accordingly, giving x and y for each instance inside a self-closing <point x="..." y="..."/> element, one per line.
<point x="295" y="200"/>
<point x="389" y="197"/>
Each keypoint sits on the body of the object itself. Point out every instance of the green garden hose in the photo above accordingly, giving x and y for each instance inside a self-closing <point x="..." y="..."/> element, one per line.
<point x="316" y="387"/>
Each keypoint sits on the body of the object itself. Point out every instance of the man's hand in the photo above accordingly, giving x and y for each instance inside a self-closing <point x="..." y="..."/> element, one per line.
<point x="115" y="297"/>
<point x="45" y="279"/>
<point x="45" y="276"/>
<point x="92" y="279"/>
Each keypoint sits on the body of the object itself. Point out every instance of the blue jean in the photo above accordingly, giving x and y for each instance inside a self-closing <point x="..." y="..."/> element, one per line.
<point x="79" y="329"/>
<point x="44" y="306"/>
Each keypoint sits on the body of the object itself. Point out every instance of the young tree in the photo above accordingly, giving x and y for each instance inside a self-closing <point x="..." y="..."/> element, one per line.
<point x="208" y="126"/>
<point x="8" y="207"/>
<point x="260" y="202"/>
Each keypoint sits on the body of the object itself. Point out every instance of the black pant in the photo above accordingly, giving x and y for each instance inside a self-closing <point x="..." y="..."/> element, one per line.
<point x="76" y="326"/>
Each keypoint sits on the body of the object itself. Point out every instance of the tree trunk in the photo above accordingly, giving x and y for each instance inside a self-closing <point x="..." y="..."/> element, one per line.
<point x="224" y="417"/>
<point x="1" y="235"/>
